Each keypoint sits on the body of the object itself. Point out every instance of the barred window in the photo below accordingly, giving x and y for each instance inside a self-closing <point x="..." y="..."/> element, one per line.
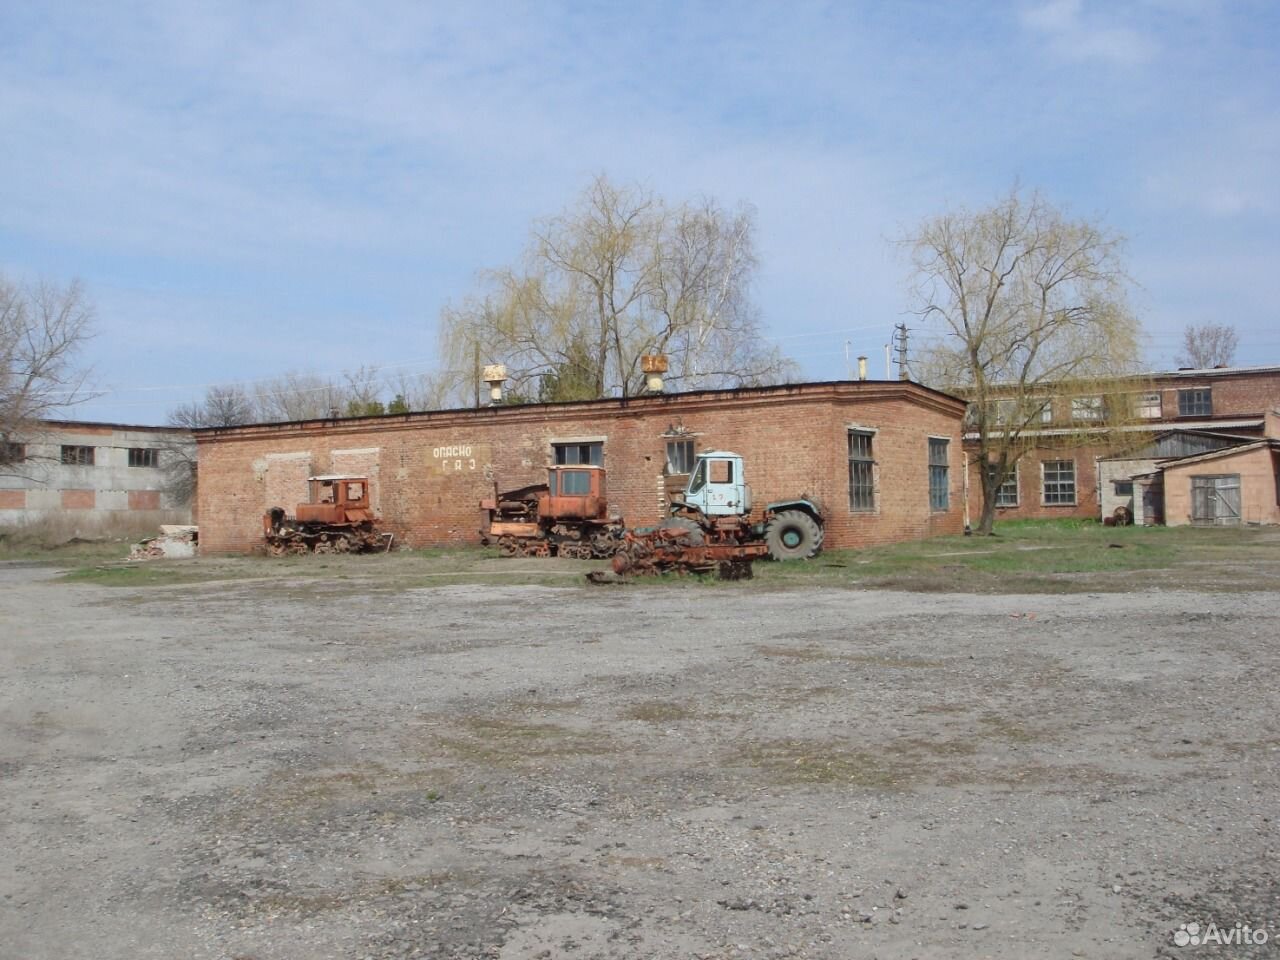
<point x="862" y="487"/>
<point x="579" y="453"/>
<point x="1059" y="482"/>
<point x="679" y="456"/>
<point x="939" y="480"/>
<point x="77" y="456"/>
<point x="1195" y="403"/>
<point x="12" y="452"/>
<point x="144" y="457"/>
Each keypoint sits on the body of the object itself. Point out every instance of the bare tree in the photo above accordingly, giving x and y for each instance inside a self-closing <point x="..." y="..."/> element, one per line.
<point x="298" y="396"/>
<point x="43" y="326"/>
<point x="1027" y="304"/>
<point x="1207" y="345"/>
<point x="425" y="391"/>
<point x="221" y="407"/>
<point x="620" y="275"/>
<point x="363" y="391"/>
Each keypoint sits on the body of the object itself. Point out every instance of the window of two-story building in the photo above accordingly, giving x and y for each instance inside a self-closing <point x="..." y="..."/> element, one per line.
<point x="573" y="454"/>
<point x="862" y="470"/>
<point x="12" y="452"/>
<point x="1149" y="406"/>
<point x="144" y="457"/>
<point x="939" y="474"/>
<point x="1087" y="408"/>
<point x="1059" y="482"/>
<point x="77" y="456"/>
<point x="1196" y="402"/>
<point x="1007" y="492"/>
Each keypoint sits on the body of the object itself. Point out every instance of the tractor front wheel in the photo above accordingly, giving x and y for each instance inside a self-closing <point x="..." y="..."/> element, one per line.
<point x="793" y="535"/>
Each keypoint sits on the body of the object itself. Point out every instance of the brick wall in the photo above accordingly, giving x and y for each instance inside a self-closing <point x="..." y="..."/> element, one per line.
<point x="429" y="471"/>
<point x="78" y="499"/>
<point x="1234" y="393"/>
<point x="1237" y="394"/>
<point x="1259" y="472"/>
<point x="144" y="499"/>
<point x="1031" y="505"/>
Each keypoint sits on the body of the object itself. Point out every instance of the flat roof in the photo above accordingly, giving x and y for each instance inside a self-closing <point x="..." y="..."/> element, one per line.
<point x="72" y="424"/>
<point x="608" y="403"/>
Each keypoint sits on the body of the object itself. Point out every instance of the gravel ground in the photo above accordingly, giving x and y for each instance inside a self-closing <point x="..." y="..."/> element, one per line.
<point x="269" y="769"/>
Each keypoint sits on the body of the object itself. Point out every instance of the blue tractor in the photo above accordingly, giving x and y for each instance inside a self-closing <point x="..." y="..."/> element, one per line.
<point x="717" y="501"/>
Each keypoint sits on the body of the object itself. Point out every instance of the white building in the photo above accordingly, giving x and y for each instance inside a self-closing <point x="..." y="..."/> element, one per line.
<point x="90" y="479"/>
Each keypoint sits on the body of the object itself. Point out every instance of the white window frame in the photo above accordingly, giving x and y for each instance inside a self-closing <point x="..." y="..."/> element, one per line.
<point x="1150" y="405"/>
<point x="1075" y="485"/>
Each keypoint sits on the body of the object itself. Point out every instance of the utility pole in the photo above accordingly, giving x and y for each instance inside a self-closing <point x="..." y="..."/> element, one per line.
<point x="900" y="338"/>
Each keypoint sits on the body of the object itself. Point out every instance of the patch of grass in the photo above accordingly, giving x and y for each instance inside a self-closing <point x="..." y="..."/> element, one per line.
<point x="300" y="798"/>
<point x="1056" y="556"/>
<point x="799" y="762"/>
<point x="23" y="549"/>
<point x="1003" y="728"/>
<point x="141" y="574"/>
<point x="503" y="742"/>
<point x="251" y="898"/>
<point x="660" y="711"/>
<point x="820" y="653"/>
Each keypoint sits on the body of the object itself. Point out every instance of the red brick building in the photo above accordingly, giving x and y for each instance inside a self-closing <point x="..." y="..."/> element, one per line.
<point x="882" y="458"/>
<point x="1060" y="478"/>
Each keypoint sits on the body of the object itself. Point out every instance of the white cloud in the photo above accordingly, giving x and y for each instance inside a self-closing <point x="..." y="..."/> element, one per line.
<point x="1073" y="35"/>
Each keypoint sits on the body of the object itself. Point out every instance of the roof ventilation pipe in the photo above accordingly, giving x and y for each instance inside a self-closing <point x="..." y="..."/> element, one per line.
<point x="653" y="366"/>
<point x="495" y="375"/>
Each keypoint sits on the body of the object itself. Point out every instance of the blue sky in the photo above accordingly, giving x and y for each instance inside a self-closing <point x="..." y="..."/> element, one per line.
<point x="247" y="189"/>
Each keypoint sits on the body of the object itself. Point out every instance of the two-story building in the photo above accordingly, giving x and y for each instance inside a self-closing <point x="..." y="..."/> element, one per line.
<point x="69" y="478"/>
<point x="1078" y="470"/>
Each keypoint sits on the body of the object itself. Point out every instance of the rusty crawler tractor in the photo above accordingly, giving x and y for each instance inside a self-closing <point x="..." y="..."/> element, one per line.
<point x="336" y="520"/>
<point x="568" y="516"/>
<point x="710" y="527"/>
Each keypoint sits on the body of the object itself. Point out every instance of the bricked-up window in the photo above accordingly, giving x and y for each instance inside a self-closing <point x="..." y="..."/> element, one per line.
<point x="1059" y="482"/>
<point x="579" y="453"/>
<point x="77" y="456"/>
<point x="679" y="456"/>
<point x="1195" y="403"/>
<point x="862" y="465"/>
<point x="12" y="452"/>
<point x="144" y="457"/>
<point x="939" y="482"/>
<point x="1007" y="492"/>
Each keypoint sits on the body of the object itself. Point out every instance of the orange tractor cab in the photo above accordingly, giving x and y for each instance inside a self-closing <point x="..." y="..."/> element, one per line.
<point x="336" y="519"/>
<point x="568" y="516"/>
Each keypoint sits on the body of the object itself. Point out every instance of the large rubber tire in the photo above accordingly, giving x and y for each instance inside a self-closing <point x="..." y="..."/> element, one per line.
<point x="793" y="535"/>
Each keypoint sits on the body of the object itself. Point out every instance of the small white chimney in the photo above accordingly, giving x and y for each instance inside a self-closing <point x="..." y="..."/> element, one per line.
<point x="862" y="368"/>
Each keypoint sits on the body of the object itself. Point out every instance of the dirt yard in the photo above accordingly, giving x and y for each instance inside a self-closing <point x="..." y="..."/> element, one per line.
<point x="339" y="765"/>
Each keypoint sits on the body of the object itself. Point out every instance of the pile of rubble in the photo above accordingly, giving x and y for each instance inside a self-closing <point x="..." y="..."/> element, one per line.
<point x="174" y="541"/>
